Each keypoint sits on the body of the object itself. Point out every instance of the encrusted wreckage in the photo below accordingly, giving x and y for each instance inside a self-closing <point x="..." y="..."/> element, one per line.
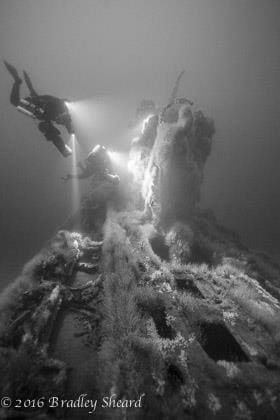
<point x="153" y="297"/>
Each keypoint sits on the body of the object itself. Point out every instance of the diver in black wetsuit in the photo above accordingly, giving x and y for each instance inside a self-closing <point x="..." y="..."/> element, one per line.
<point x="98" y="165"/>
<point x="45" y="108"/>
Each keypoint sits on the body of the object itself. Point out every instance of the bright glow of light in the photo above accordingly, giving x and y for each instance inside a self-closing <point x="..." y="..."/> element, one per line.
<point x="70" y="106"/>
<point x="135" y="140"/>
<point x="117" y="158"/>
<point x="147" y="186"/>
<point x="134" y="164"/>
<point x="75" y="181"/>
<point x="135" y="167"/>
<point x="145" y="122"/>
<point x="99" y="117"/>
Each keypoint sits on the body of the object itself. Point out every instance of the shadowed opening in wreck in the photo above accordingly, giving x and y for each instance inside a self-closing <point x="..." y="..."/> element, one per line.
<point x="217" y="341"/>
<point x="159" y="247"/>
<point x="157" y="313"/>
<point x="164" y="330"/>
<point x="187" y="285"/>
<point x="159" y="317"/>
<point x="175" y="376"/>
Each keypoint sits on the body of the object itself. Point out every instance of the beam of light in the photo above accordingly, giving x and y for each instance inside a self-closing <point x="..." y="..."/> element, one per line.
<point x="88" y="119"/>
<point x="77" y="120"/>
<point x="100" y="119"/>
<point x="75" y="181"/>
<point x="117" y="158"/>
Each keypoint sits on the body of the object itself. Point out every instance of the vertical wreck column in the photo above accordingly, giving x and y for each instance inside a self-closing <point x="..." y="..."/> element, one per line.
<point x="175" y="170"/>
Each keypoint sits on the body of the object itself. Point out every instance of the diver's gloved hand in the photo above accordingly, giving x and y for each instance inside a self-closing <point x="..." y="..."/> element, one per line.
<point x="13" y="71"/>
<point x="67" y="177"/>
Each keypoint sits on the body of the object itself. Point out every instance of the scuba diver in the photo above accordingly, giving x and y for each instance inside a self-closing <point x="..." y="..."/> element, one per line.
<point x="98" y="165"/>
<point x="46" y="109"/>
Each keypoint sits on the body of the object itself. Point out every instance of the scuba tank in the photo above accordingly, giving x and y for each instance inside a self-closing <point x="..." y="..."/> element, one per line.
<point x="26" y="108"/>
<point x="30" y="109"/>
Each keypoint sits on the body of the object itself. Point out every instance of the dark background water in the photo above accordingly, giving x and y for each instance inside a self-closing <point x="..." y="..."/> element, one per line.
<point x="113" y="54"/>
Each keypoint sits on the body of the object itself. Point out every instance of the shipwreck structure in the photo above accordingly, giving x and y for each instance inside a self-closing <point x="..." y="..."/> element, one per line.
<point x="152" y="298"/>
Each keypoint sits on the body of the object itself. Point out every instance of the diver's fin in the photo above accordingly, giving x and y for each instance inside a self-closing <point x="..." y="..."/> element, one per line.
<point x="29" y="84"/>
<point x="13" y="71"/>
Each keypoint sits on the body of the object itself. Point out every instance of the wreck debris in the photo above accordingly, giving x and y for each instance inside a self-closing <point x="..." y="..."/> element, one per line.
<point x="168" y="303"/>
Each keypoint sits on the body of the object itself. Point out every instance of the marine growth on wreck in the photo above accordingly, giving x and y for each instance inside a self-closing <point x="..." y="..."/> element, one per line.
<point x="144" y="304"/>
